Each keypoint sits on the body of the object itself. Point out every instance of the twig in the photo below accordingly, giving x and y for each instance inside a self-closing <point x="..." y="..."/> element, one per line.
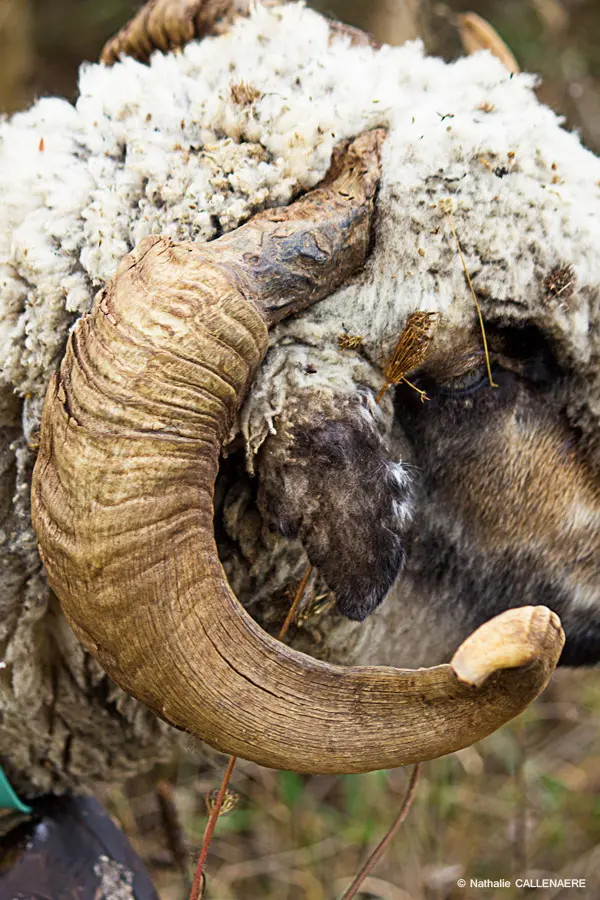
<point x="197" y="891"/>
<point x="173" y="832"/>
<point x="381" y="889"/>
<point x="294" y="607"/>
<point x="383" y="844"/>
<point x="464" y="265"/>
<point x="520" y="831"/>
<point x="273" y="863"/>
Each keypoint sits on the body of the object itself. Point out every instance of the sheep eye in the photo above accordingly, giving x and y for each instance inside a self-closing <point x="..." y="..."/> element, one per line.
<point x="467" y="383"/>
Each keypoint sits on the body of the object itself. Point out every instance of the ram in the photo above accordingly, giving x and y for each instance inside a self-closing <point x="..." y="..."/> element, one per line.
<point x="407" y="447"/>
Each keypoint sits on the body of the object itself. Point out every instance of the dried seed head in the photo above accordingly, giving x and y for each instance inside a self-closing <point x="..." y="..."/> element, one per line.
<point x="412" y="347"/>
<point x="350" y="341"/>
<point x="321" y="604"/>
<point x="410" y="351"/>
<point x="559" y="284"/>
<point x="230" y="801"/>
<point x="244" y="94"/>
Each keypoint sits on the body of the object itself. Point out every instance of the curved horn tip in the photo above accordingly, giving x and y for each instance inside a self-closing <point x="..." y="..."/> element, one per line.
<point x="515" y="638"/>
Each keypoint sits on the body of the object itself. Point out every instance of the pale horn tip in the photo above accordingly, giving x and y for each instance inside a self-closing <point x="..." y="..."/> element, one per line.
<point x="516" y="638"/>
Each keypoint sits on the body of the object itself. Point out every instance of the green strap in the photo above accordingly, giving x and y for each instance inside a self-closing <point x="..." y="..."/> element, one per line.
<point x="8" y="798"/>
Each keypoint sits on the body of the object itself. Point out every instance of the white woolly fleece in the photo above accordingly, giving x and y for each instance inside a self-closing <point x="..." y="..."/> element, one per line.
<point x="168" y="149"/>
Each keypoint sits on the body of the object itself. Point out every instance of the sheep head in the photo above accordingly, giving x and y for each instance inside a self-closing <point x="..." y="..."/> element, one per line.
<point x="122" y="505"/>
<point x="483" y="496"/>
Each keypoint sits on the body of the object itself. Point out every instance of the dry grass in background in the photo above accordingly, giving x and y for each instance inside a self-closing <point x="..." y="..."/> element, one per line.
<point x="526" y="800"/>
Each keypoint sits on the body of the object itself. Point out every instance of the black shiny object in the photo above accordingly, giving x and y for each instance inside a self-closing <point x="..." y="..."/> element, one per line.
<point x="70" y="849"/>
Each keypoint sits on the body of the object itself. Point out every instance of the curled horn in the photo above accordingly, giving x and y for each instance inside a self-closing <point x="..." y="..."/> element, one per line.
<point x="122" y="503"/>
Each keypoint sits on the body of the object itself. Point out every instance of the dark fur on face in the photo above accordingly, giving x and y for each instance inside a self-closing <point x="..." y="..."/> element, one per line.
<point x="328" y="480"/>
<point x="505" y="510"/>
<point x="509" y="507"/>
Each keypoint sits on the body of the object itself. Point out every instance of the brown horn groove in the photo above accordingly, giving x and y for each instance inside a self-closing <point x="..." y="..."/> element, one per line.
<point x="122" y="505"/>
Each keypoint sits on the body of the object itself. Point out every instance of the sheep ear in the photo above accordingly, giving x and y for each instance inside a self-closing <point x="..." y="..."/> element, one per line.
<point x="327" y="479"/>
